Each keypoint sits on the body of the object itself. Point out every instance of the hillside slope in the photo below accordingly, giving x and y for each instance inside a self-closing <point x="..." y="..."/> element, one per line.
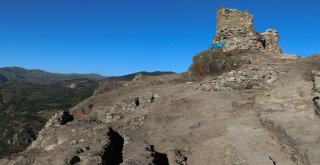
<point x="28" y="98"/>
<point x="261" y="113"/>
<point x="25" y="108"/>
<point x="130" y="77"/>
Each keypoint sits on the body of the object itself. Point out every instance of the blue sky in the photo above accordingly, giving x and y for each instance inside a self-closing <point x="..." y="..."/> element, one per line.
<point x="117" y="37"/>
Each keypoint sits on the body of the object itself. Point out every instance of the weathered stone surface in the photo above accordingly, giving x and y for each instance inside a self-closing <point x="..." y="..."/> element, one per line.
<point x="270" y="40"/>
<point x="246" y="78"/>
<point x="316" y="81"/>
<point x="298" y="130"/>
<point x="138" y="153"/>
<point x="77" y="141"/>
<point x="235" y="29"/>
<point x="241" y="138"/>
<point x="316" y="91"/>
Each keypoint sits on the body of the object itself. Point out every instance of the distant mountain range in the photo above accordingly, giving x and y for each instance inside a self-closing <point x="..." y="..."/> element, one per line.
<point x="41" y="77"/>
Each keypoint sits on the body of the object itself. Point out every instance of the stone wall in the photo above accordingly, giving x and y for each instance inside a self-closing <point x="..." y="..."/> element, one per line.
<point x="235" y="29"/>
<point x="271" y="38"/>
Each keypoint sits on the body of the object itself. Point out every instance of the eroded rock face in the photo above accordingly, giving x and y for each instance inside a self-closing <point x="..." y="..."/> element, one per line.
<point x="316" y="90"/>
<point x="235" y="29"/>
<point x="65" y="118"/>
<point x="86" y="141"/>
<point x="77" y="141"/>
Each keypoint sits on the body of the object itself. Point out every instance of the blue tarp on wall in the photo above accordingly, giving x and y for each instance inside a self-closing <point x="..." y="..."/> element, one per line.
<point x="217" y="45"/>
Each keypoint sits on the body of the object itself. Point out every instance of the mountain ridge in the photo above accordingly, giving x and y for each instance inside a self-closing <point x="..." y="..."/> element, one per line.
<point x="245" y="103"/>
<point x="41" y="76"/>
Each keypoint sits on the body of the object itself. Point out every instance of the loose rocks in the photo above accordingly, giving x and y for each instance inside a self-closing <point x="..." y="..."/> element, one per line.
<point x="241" y="79"/>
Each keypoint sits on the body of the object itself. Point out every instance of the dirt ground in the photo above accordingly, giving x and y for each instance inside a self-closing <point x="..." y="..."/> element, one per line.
<point x="175" y="122"/>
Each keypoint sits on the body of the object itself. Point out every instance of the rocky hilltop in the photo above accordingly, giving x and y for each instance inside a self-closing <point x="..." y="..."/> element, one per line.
<point x="250" y="106"/>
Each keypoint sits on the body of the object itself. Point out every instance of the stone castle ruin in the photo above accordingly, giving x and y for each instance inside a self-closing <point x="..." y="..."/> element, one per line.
<point x="235" y="30"/>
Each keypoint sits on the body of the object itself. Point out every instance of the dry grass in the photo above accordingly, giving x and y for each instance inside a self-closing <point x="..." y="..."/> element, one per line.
<point x="215" y="62"/>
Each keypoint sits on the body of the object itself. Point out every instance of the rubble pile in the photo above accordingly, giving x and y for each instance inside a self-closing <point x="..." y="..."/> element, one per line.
<point x="240" y="79"/>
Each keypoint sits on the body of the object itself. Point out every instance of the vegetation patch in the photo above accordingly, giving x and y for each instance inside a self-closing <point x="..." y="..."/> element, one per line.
<point x="28" y="106"/>
<point x="215" y="62"/>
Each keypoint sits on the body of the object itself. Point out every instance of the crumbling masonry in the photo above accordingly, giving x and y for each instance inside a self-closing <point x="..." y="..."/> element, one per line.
<point x="235" y="29"/>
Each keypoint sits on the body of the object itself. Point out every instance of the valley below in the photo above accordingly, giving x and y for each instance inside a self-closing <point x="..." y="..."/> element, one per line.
<point x="241" y="102"/>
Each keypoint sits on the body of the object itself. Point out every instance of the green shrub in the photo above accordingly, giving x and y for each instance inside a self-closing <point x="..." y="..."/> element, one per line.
<point x="23" y="113"/>
<point x="138" y="77"/>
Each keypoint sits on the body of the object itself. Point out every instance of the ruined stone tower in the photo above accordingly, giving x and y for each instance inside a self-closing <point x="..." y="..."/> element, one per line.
<point x="235" y="29"/>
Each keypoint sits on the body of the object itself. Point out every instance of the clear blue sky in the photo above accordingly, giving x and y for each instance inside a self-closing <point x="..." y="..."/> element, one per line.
<point x="116" y="37"/>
